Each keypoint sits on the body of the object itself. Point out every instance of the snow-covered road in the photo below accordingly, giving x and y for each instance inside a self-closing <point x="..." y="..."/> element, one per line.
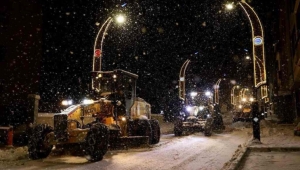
<point x="188" y="152"/>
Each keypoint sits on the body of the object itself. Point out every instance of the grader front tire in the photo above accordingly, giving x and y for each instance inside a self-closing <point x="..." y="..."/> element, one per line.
<point x="155" y="131"/>
<point x="37" y="141"/>
<point x="144" y="129"/>
<point x="96" y="142"/>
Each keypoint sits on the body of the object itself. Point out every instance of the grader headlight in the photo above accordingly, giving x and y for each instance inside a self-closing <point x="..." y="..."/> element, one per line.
<point x="67" y="102"/>
<point x="123" y="118"/>
<point x="87" y="101"/>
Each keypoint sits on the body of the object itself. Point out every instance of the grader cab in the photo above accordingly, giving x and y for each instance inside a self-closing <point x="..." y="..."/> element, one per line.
<point x="114" y="117"/>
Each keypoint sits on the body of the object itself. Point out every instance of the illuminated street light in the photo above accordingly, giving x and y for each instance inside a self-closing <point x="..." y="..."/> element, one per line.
<point x="258" y="50"/>
<point x="251" y="99"/>
<point x="181" y="88"/>
<point x="120" y="18"/>
<point x="216" y="90"/>
<point x="98" y="52"/>
<point x="258" y="53"/>
<point x="229" y="6"/>
<point x="232" y="94"/>
<point x="98" y="46"/>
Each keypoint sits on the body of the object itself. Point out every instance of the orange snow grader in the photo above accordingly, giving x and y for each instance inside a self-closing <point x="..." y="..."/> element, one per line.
<point x="116" y="117"/>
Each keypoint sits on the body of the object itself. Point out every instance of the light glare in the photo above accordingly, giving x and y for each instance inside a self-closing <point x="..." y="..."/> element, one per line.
<point x="88" y="101"/>
<point x="229" y="6"/>
<point x="193" y="94"/>
<point x="208" y="93"/>
<point x="66" y="102"/>
<point x="120" y="19"/>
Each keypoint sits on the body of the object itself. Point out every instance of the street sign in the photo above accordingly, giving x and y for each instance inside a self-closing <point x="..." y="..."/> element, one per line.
<point x="97" y="53"/>
<point x="258" y="40"/>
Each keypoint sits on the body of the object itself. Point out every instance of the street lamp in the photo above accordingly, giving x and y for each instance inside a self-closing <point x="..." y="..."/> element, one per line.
<point x="232" y="94"/>
<point x="229" y="6"/>
<point x="120" y="18"/>
<point x="257" y="43"/>
<point x="216" y="90"/>
<point x="97" y="56"/>
<point x="242" y="92"/>
<point x="181" y="87"/>
<point x="258" y="52"/>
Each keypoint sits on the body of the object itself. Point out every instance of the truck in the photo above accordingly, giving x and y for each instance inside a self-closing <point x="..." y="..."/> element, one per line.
<point x="242" y="113"/>
<point x="193" y="119"/>
<point x="113" y="117"/>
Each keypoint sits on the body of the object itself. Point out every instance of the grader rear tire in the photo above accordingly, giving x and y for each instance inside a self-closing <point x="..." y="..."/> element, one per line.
<point x="155" y="131"/>
<point x="38" y="148"/>
<point x="96" y="142"/>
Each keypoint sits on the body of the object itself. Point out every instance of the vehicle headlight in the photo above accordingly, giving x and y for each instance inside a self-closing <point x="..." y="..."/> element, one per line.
<point x="87" y="101"/>
<point x="119" y="103"/>
<point x="123" y="118"/>
<point x="189" y="108"/>
<point x="201" y="108"/>
<point x="67" y="102"/>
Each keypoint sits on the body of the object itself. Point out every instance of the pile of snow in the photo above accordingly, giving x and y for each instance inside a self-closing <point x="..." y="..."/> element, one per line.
<point x="166" y="127"/>
<point x="13" y="153"/>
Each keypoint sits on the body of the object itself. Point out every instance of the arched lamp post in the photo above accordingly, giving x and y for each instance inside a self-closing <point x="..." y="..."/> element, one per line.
<point x="232" y="94"/>
<point x="258" y="50"/>
<point x="98" y="53"/>
<point x="182" y="80"/>
<point x="258" y="53"/>
<point x="216" y="91"/>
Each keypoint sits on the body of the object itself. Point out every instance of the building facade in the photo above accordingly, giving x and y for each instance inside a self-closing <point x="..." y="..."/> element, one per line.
<point x="286" y="87"/>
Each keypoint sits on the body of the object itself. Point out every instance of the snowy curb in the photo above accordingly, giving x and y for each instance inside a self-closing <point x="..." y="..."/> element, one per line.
<point x="244" y="152"/>
<point x="235" y="164"/>
<point x="273" y="148"/>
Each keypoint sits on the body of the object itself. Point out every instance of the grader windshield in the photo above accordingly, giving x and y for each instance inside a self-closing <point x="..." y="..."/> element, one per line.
<point x="116" y="85"/>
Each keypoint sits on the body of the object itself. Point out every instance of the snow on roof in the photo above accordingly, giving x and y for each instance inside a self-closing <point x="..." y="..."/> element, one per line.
<point x="70" y="109"/>
<point x="46" y="114"/>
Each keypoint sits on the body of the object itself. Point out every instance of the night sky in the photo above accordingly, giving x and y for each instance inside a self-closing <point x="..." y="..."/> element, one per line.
<point x="156" y="39"/>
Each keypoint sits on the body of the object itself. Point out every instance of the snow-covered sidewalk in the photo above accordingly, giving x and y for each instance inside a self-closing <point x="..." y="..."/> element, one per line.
<point x="277" y="148"/>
